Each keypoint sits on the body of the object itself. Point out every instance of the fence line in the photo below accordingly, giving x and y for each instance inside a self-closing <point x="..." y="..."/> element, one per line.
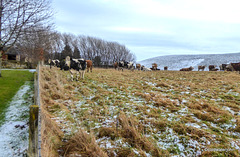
<point x="39" y="118"/>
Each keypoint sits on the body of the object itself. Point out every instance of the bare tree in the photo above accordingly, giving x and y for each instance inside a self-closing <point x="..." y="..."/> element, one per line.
<point x="38" y="45"/>
<point x="19" y="16"/>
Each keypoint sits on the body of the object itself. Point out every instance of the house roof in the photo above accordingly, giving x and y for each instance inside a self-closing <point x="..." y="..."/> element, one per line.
<point x="13" y="51"/>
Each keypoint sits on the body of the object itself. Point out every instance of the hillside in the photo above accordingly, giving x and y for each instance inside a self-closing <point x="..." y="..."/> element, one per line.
<point x="176" y="62"/>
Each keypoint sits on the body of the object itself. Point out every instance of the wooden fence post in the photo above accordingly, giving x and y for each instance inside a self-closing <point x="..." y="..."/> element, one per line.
<point x="33" y="131"/>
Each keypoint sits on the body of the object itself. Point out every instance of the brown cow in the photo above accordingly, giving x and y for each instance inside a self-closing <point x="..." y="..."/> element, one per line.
<point x="115" y="65"/>
<point x="138" y="66"/>
<point x="212" y="68"/>
<point x="154" y="66"/>
<point x="187" y="69"/>
<point x="89" y="65"/>
<point x="165" y="68"/>
<point x="201" y="67"/>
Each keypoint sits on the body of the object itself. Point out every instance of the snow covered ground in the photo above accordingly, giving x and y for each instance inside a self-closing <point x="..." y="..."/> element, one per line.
<point x="14" y="131"/>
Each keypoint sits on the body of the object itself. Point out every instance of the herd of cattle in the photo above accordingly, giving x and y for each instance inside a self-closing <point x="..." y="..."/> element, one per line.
<point x="222" y="67"/>
<point x="74" y="66"/>
<point x="78" y="66"/>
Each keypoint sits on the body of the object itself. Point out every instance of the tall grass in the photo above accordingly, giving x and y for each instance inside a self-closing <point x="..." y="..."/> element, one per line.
<point x="139" y="113"/>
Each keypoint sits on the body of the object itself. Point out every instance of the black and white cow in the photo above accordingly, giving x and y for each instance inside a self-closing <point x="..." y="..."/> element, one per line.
<point x="55" y="63"/>
<point x="75" y="67"/>
<point x="121" y="65"/>
<point x="223" y="67"/>
<point x="130" y="65"/>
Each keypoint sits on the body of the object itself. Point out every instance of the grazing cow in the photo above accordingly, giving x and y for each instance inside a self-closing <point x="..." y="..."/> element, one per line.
<point x="89" y="65"/>
<point x="187" y="69"/>
<point x="154" y="66"/>
<point x="55" y="62"/>
<point x="212" y="68"/>
<point x="138" y="66"/>
<point x="75" y="67"/>
<point x="165" y="68"/>
<point x="201" y="67"/>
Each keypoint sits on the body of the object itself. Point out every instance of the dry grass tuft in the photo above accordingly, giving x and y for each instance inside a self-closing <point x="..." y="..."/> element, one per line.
<point x="51" y="135"/>
<point x="123" y="152"/>
<point x="146" y="96"/>
<point x="237" y="128"/>
<point x="107" y="132"/>
<point x="131" y="132"/>
<point x="83" y="144"/>
<point x="204" y="116"/>
<point x="161" y="84"/>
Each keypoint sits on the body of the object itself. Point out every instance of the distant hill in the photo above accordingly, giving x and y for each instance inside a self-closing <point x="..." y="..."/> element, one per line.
<point x="176" y="62"/>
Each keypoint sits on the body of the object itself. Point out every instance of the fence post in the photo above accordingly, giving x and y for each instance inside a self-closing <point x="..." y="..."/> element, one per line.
<point x="33" y="131"/>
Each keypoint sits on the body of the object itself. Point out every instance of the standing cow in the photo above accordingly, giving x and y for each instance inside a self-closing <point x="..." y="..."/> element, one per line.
<point x="154" y="66"/>
<point x="201" y="67"/>
<point x="122" y="64"/>
<point x="75" y="67"/>
<point x="130" y="65"/>
<point x="89" y="65"/>
<point x="138" y="66"/>
<point x="115" y="65"/>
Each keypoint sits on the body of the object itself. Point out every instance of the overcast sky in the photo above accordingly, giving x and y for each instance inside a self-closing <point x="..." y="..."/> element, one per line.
<point x="150" y="28"/>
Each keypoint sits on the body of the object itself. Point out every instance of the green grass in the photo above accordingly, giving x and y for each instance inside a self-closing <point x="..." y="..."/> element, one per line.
<point x="10" y="82"/>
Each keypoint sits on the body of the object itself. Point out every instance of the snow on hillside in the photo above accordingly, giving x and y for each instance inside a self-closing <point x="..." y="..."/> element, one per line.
<point x="176" y="62"/>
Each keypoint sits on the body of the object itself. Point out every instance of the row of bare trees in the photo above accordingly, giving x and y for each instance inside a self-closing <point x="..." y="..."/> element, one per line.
<point x="98" y="50"/>
<point x="57" y="45"/>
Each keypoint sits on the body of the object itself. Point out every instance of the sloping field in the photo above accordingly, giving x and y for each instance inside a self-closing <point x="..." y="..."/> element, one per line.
<point x="162" y="113"/>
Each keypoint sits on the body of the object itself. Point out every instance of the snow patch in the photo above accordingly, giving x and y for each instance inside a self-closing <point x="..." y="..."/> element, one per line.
<point x="14" y="131"/>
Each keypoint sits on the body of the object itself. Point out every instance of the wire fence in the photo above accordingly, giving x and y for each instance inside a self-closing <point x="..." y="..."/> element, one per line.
<point x="39" y="117"/>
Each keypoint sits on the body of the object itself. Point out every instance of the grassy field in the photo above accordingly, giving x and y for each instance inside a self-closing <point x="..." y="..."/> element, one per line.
<point x="159" y="113"/>
<point x="10" y="82"/>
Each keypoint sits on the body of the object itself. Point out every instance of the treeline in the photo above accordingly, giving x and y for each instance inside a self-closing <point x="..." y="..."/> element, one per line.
<point x="46" y="44"/>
